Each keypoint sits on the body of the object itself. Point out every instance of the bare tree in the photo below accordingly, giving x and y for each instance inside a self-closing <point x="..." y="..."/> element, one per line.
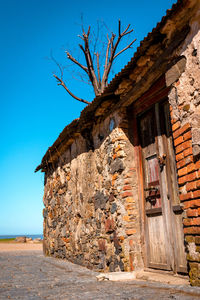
<point x="97" y="77"/>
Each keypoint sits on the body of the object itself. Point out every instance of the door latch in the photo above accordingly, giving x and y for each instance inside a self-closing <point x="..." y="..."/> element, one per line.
<point x="161" y="161"/>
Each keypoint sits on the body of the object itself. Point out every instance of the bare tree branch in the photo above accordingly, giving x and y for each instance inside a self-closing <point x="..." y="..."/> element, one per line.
<point x="124" y="49"/>
<point x="96" y="40"/>
<point x="59" y="66"/>
<point x="81" y="37"/>
<point x="107" y="52"/>
<point x="97" y="73"/>
<point x="119" y="27"/>
<point x="113" y="49"/>
<point x="98" y="70"/>
<point x="123" y="33"/>
<point x="69" y="56"/>
<point x="61" y="82"/>
<point x="89" y="62"/>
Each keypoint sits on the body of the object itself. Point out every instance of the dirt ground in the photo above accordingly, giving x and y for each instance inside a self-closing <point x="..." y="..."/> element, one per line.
<point x="5" y="247"/>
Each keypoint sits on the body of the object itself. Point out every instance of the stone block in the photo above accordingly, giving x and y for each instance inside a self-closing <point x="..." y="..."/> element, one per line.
<point x="113" y="208"/>
<point x="20" y="239"/>
<point x="196" y="150"/>
<point x="117" y="166"/>
<point x="102" y="245"/>
<point x="100" y="200"/>
<point x="109" y="225"/>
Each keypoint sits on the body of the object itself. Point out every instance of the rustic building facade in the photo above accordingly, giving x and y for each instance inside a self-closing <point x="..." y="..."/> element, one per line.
<point x="122" y="182"/>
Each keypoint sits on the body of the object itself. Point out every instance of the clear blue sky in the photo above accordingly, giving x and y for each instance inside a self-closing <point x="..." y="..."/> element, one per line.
<point x="34" y="110"/>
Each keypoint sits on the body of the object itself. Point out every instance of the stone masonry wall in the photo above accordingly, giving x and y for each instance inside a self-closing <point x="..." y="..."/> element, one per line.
<point x="185" y="112"/>
<point x="91" y="214"/>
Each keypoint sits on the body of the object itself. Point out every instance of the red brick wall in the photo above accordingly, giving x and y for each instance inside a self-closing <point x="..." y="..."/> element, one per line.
<point x="189" y="190"/>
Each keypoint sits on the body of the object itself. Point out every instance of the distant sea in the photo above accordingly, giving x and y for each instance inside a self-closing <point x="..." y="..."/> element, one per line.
<point x="33" y="236"/>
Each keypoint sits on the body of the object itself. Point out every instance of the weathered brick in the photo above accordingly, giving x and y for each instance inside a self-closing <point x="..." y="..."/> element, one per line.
<point x="187" y="204"/>
<point x="191" y="186"/>
<point x="189" y="159"/>
<point x="183" y="146"/>
<point x="126" y="194"/>
<point x="195" y="203"/>
<point x="184" y="162"/>
<point x="187" y="136"/>
<point x="180" y="164"/>
<point x="198" y="164"/>
<point x="127" y="187"/>
<point x="179" y="156"/>
<point x="176" y="134"/>
<point x="178" y="141"/>
<point x="192" y="212"/>
<point x="191" y="167"/>
<point x="176" y="126"/>
<point x="186" y="145"/>
<point x="187" y="196"/>
<point x="130" y="231"/>
<point x="196" y="221"/>
<point x="196" y="194"/>
<point x="191" y="230"/>
<point x="187" y="152"/>
<point x="187" y="222"/>
<point x="182" y="171"/>
<point x="191" y="176"/>
<point x="182" y="180"/>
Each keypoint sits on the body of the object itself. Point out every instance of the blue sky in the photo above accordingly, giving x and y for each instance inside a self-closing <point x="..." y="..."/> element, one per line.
<point x="34" y="110"/>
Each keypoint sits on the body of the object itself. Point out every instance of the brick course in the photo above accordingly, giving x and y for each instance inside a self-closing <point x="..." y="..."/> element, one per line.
<point x="188" y="180"/>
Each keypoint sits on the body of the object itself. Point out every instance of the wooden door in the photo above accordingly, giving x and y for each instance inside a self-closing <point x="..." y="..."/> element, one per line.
<point x="163" y="215"/>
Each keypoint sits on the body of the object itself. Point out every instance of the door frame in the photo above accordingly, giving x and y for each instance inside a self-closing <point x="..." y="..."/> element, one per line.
<point x="156" y="94"/>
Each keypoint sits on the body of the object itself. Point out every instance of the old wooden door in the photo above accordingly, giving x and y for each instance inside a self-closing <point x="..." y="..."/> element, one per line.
<point x="163" y="215"/>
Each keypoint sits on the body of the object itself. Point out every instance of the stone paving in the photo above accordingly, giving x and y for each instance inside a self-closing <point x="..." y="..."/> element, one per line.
<point x="28" y="275"/>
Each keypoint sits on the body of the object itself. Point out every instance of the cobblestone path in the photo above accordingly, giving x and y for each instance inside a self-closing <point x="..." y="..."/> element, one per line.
<point x="30" y="276"/>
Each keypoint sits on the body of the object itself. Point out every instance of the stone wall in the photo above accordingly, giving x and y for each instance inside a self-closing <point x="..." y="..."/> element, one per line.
<point x="91" y="214"/>
<point x="185" y="112"/>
